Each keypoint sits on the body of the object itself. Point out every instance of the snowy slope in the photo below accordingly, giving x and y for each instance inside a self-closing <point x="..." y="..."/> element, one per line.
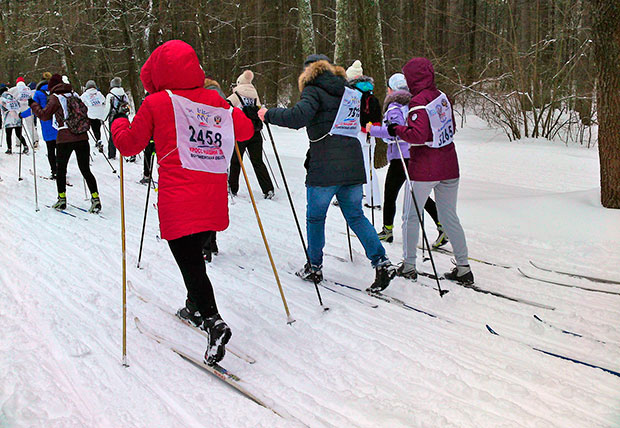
<point x="60" y="311"/>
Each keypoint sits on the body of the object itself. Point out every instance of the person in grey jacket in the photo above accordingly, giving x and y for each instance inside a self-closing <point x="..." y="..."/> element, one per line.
<point x="334" y="164"/>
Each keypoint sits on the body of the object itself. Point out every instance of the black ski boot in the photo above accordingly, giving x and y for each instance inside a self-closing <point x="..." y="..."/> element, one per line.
<point x="218" y="335"/>
<point x="61" y="203"/>
<point x="407" y="271"/>
<point x="310" y="273"/>
<point x="9" y="151"/>
<point x="25" y="149"/>
<point x="442" y="239"/>
<point x="95" y="204"/>
<point x="386" y="234"/>
<point x="190" y="313"/>
<point x="384" y="273"/>
<point x="461" y="274"/>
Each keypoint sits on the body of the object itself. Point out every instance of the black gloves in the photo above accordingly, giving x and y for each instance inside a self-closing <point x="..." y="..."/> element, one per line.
<point x="30" y="102"/>
<point x="119" y="115"/>
<point x="392" y="129"/>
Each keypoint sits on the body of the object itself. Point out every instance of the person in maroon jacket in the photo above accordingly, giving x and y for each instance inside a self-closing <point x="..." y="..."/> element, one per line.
<point x="433" y="165"/>
<point x="66" y="141"/>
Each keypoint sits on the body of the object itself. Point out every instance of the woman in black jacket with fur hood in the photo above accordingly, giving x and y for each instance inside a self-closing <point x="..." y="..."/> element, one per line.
<point x="334" y="164"/>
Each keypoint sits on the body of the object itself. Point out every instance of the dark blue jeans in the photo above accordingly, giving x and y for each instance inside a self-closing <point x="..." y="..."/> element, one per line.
<point x="350" y="203"/>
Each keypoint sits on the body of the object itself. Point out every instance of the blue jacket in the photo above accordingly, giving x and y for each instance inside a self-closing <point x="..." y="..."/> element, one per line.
<point x="40" y="97"/>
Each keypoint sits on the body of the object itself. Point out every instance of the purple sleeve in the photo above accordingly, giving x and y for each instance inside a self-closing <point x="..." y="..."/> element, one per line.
<point x="394" y="114"/>
<point x="379" y="132"/>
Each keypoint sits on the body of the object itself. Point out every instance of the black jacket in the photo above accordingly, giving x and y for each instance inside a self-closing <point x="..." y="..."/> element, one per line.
<point x="370" y="105"/>
<point x="333" y="160"/>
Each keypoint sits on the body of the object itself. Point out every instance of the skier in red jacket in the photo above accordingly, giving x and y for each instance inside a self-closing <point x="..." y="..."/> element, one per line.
<point x="194" y="130"/>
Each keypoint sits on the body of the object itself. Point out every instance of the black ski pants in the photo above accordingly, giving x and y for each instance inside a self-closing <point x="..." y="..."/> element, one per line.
<point x="187" y="252"/>
<point x="394" y="180"/>
<point x="82" y="153"/>
<point x="95" y="125"/>
<point x="51" y="155"/>
<point x="18" y="134"/>
<point x="254" y="147"/>
<point x="111" y="146"/>
<point x="148" y="157"/>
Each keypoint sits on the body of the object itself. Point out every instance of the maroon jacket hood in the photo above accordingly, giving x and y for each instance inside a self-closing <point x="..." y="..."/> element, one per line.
<point x="420" y="75"/>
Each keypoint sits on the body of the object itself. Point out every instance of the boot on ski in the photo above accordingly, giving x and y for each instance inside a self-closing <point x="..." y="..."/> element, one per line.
<point x="25" y="149"/>
<point x="384" y="273"/>
<point x="95" y="204"/>
<point x="218" y="335"/>
<point x="310" y="273"/>
<point x="190" y="314"/>
<point x="461" y="274"/>
<point x="61" y="203"/>
<point x="442" y="239"/>
<point x="99" y="146"/>
<point x="9" y="151"/>
<point x="386" y="234"/>
<point x="269" y="195"/>
<point x="145" y="180"/>
<point x="406" y="270"/>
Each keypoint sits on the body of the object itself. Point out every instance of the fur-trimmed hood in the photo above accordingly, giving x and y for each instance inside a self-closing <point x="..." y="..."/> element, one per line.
<point x="360" y="79"/>
<point x="325" y="75"/>
<point x="399" y="97"/>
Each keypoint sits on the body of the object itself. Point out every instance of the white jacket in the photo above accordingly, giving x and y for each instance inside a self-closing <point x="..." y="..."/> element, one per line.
<point x="21" y="93"/>
<point x="110" y="101"/>
<point x="96" y="103"/>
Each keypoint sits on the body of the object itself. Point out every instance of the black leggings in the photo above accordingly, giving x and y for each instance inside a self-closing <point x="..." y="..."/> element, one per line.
<point x="18" y="134"/>
<point x="95" y="125"/>
<point x="187" y="252"/>
<point x="394" y="180"/>
<point x="51" y="155"/>
<point x="82" y="153"/>
<point x="254" y="147"/>
<point x="148" y="157"/>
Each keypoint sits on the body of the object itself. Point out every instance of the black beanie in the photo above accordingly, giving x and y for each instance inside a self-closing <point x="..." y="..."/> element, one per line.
<point x="316" y="57"/>
<point x="54" y="80"/>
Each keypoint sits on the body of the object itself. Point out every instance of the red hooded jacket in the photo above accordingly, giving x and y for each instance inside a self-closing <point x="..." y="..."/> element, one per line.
<point x="189" y="201"/>
<point x="426" y="163"/>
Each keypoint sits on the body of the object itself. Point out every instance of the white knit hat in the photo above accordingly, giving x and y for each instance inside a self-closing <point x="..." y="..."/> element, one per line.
<point x="398" y="82"/>
<point x="246" y="77"/>
<point x="355" y="70"/>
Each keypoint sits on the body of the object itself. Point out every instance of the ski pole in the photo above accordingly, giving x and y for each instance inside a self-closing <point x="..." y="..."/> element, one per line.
<point x="417" y="210"/>
<point x="104" y="156"/>
<point x="21" y="149"/>
<point x="34" y="168"/>
<point x="269" y="164"/>
<point x="372" y="196"/>
<point x="146" y="206"/>
<point x="124" y="266"/>
<point x="290" y="201"/>
<point x="349" y="239"/>
<point x="289" y="318"/>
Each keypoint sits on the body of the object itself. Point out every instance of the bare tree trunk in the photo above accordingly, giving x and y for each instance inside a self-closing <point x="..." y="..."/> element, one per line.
<point x="606" y="30"/>
<point x="373" y="57"/>
<point x="306" y="27"/>
<point x="342" y="48"/>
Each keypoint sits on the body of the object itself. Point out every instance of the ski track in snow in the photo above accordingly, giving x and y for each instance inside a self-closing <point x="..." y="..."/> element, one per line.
<point x="61" y="319"/>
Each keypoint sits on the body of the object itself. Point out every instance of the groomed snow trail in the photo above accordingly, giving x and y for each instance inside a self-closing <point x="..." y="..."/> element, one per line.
<point x="60" y="311"/>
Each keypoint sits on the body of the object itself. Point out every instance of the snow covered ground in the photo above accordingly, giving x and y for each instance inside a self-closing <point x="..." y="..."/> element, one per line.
<point x="352" y="366"/>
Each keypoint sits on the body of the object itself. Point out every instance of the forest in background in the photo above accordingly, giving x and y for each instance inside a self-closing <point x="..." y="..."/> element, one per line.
<point x="525" y="66"/>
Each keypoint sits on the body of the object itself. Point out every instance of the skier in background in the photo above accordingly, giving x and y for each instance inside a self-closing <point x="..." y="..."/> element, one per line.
<point x="11" y="119"/>
<point x="246" y="98"/>
<point x="95" y="101"/>
<point x="370" y="112"/>
<point x="115" y="101"/>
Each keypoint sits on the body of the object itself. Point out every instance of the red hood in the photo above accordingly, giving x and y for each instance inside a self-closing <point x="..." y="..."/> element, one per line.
<point x="173" y="65"/>
<point x="420" y="75"/>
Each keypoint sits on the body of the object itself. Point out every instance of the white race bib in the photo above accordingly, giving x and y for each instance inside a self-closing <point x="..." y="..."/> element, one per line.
<point x="440" y="116"/>
<point x="94" y="99"/>
<point x="24" y="94"/>
<point x="205" y="135"/>
<point x="12" y="105"/>
<point x="347" y="120"/>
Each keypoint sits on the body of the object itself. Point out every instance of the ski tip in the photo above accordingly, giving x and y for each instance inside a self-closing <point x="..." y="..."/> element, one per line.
<point x="537" y="318"/>
<point x="491" y="330"/>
